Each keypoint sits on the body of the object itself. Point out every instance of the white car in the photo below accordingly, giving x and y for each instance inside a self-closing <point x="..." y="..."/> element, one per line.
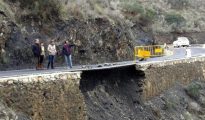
<point x="181" y="42"/>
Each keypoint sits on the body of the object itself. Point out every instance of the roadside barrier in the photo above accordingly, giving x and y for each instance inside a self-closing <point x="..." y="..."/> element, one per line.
<point x="148" y="51"/>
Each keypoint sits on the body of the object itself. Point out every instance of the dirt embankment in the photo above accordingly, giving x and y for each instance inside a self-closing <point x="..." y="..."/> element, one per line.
<point x="113" y="94"/>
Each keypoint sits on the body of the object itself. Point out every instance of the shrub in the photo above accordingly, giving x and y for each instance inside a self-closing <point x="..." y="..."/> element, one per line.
<point x="169" y="104"/>
<point x="42" y="9"/>
<point x="179" y="4"/>
<point x="147" y="17"/>
<point x="176" y="19"/>
<point x="193" y="90"/>
<point x="132" y="7"/>
<point x="150" y="14"/>
<point x="138" y="13"/>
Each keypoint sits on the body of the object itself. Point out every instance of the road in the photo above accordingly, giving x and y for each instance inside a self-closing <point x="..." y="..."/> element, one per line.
<point x="179" y="53"/>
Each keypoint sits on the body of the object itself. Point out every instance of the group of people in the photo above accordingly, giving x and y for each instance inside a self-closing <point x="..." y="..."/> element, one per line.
<point x="39" y="52"/>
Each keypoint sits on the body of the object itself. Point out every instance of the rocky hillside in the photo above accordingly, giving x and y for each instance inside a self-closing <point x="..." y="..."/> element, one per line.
<point x="103" y="30"/>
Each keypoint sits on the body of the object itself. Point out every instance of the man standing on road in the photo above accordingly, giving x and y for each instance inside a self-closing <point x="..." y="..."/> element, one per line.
<point x="37" y="53"/>
<point x="67" y="54"/>
<point x="52" y="52"/>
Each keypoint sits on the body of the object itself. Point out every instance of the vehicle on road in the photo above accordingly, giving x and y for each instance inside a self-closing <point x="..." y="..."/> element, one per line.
<point x="181" y="42"/>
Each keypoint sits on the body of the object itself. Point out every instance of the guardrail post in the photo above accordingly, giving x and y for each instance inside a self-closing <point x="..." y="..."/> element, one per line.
<point x="188" y="52"/>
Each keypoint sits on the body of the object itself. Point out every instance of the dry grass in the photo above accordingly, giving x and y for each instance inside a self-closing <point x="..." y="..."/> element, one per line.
<point x="7" y="10"/>
<point x="130" y="11"/>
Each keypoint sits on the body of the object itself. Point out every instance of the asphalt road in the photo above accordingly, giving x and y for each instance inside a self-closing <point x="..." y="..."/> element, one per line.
<point x="179" y="53"/>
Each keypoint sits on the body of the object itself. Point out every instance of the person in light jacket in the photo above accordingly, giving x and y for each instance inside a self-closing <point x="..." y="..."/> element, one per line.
<point x="42" y="55"/>
<point x="51" y="54"/>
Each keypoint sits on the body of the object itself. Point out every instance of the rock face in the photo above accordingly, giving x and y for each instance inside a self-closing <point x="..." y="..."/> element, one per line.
<point x="103" y="31"/>
<point x="96" y="41"/>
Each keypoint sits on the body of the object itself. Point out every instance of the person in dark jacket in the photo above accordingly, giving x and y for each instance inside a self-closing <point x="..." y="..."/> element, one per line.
<point x="36" y="48"/>
<point x="67" y="53"/>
